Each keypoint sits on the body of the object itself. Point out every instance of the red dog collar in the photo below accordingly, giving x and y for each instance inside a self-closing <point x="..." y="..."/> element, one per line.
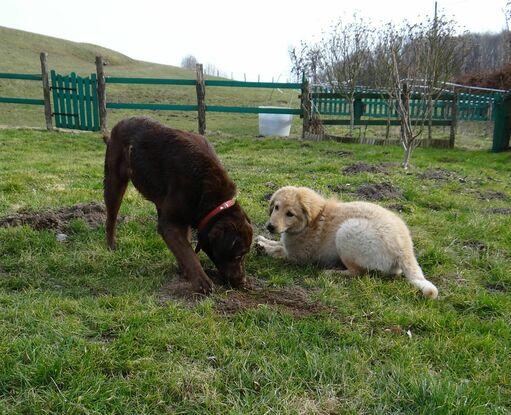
<point x="214" y="212"/>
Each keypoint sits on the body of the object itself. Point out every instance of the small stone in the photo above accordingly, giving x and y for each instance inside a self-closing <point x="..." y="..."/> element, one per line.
<point x="61" y="237"/>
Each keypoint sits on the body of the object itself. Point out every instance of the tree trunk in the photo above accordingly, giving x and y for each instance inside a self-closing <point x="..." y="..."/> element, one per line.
<point x="352" y="116"/>
<point x="430" y="119"/>
<point x="408" y="154"/>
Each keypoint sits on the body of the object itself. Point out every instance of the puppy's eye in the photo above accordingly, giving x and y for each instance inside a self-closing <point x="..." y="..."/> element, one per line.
<point x="289" y="214"/>
<point x="276" y="207"/>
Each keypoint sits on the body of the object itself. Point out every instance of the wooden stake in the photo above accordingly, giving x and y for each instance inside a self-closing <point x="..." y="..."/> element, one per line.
<point x="101" y="94"/>
<point x="46" y="91"/>
<point x="454" y="119"/>
<point x="201" y="99"/>
<point x="305" y="99"/>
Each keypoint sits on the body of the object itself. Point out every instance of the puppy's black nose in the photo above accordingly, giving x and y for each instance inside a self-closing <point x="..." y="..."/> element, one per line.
<point x="270" y="227"/>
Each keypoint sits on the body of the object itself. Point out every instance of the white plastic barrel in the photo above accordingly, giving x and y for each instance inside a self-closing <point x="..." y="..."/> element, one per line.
<point x="275" y="124"/>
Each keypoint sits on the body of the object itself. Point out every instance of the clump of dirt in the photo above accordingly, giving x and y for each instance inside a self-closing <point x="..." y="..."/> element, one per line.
<point x="490" y="195"/>
<point x="447" y="160"/>
<point x="499" y="211"/>
<point x="437" y="174"/>
<point x="294" y="300"/>
<point x="341" y="153"/>
<point x="267" y="196"/>
<point x="399" y="208"/>
<point x="364" y="168"/>
<point x="476" y="245"/>
<point x="496" y="288"/>
<point x="92" y="213"/>
<point x="432" y="206"/>
<point x="379" y="191"/>
<point x="339" y="188"/>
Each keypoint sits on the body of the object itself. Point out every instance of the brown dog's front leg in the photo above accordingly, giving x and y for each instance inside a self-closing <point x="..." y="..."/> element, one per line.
<point x="176" y="238"/>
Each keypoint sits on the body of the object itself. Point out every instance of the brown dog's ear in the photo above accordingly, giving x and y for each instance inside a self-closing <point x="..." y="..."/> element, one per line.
<point x="312" y="204"/>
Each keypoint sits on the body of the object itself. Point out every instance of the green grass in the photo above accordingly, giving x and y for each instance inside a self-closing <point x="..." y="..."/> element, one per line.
<point x="83" y="330"/>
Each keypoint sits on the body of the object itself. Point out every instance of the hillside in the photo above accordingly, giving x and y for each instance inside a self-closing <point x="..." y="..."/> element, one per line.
<point x="19" y="52"/>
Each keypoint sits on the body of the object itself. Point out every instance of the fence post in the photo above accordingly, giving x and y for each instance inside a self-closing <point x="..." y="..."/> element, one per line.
<point x="201" y="99"/>
<point x="101" y="94"/>
<point x="305" y="99"/>
<point x="46" y="91"/>
<point x="454" y="119"/>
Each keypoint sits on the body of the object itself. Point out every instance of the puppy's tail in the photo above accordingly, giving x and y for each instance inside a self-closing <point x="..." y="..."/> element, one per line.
<point x="414" y="275"/>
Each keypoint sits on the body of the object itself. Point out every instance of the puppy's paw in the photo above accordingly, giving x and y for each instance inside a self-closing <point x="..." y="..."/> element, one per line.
<point x="260" y="239"/>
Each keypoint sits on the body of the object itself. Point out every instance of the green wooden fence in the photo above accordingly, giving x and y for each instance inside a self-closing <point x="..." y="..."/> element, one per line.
<point x="471" y="107"/>
<point x="207" y="82"/>
<point x="75" y="101"/>
<point x="23" y="77"/>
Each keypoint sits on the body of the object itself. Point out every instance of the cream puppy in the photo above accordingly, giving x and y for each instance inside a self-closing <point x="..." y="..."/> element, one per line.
<point x="364" y="236"/>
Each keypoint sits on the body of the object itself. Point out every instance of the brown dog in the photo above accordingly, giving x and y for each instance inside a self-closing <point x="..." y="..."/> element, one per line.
<point x="181" y="174"/>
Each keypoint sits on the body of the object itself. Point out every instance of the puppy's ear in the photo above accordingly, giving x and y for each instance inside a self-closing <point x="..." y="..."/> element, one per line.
<point x="311" y="203"/>
<point x="272" y="204"/>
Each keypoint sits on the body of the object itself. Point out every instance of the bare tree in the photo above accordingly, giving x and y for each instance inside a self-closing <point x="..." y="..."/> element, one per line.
<point x="339" y="59"/>
<point x="442" y="54"/>
<point x="306" y="61"/>
<point x="416" y="61"/>
<point x="189" y="62"/>
<point x="345" y="54"/>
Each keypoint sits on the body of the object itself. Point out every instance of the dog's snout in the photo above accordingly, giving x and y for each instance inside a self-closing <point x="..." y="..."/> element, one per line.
<point x="270" y="227"/>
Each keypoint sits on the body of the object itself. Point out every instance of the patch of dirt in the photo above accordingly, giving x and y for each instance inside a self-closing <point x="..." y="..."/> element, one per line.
<point x="477" y="245"/>
<point x="270" y="185"/>
<point x="341" y="153"/>
<point x="379" y="191"/>
<point x="499" y="211"/>
<point x="294" y="300"/>
<point x="399" y="208"/>
<point x="490" y="195"/>
<point x="437" y="174"/>
<point x="432" y="206"/>
<point x="267" y="196"/>
<point x="447" y="160"/>
<point x="339" y="188"/>
<point x="496" y="288"/>
<point x="92" y="213"/>
<point x="365" y="168"/>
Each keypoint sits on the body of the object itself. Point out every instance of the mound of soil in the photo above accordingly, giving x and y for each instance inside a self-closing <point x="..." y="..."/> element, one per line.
<point x="437" y="174"/>
<point x="92" y="213"/>
<point x="490" y="195"/>
<point x="341" y="153"/>
<point x="499" y="211"/>
<point x="379" y="191"/>
<point x="294" y="300"/>
<point x="339" y="188"/>
<point x="476" y="245"/>
<point x="496" y="288"/>
<point x="267" y="196"/>
<point x="399" y="208"/>
<point x="364" y="168"/>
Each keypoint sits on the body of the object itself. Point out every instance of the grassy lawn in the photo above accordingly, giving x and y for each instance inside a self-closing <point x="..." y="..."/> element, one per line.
<point x="84" y="330"/>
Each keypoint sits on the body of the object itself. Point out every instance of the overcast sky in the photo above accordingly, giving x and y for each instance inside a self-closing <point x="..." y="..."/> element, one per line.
<point x="251" y="37"/>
